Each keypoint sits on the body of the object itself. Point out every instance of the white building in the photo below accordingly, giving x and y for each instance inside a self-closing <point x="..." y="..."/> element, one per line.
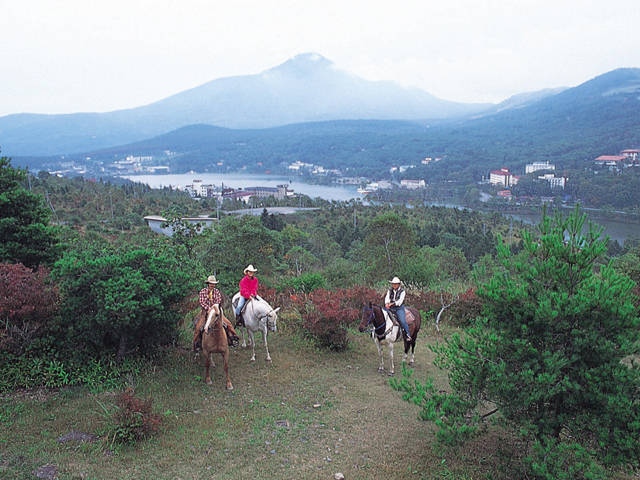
<point x="554" y="182"/>
<point x="535" y="166"/>
<point x="412" y="184"/>
<point x="502" y="177"/>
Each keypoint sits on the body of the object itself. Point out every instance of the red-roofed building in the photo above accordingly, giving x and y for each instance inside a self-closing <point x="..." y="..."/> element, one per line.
<point x="502" y="177"/>
<point x="631" y="154"/>
<point x="610" y="160"/>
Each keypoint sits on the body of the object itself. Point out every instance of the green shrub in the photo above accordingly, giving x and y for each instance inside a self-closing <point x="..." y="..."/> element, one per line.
<point x="557" y="460"/>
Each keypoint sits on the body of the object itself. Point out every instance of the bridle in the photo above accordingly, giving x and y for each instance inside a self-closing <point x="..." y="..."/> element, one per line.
<point x="378" y="328"/>
<point x="267" y="318"/>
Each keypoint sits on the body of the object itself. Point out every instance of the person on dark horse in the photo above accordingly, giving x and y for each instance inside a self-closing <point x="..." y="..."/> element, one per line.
<point x="393" y="303"/>
<point x="248" y="290"/>
<point x="210" y="298"/>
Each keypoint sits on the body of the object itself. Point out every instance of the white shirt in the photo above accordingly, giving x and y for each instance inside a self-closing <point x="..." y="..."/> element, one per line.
<point x="394" y="295"/>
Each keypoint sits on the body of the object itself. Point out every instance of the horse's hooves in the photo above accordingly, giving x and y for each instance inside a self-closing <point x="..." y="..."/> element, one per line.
<point x="411" y="364"/>
<point x="391" y="374"/>
<point x="209" y="382"/>
<point x="229" y="387"/>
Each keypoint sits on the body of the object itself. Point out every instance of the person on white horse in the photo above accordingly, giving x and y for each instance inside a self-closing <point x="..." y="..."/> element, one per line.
<point x="393" y="302"/>
<point x="248" y="290"/>
<point x="210" y="298"/>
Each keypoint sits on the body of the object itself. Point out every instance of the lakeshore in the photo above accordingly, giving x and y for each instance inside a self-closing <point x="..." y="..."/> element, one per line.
<point x="239" y="180"/>
<point x="618" y="229"/>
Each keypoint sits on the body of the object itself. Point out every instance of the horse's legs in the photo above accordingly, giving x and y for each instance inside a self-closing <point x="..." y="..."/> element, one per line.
<point x="207" y="368"/>
<point x="380" y="357"/>
<point x="225" y="363"/>
<point x="413" y="347"/>
<point x="264" y="335"/>
<point x="244" y="339"/>
<point x="253" y="345"/>
<point x="392" y="370"/>
<point x="407" y="345"/>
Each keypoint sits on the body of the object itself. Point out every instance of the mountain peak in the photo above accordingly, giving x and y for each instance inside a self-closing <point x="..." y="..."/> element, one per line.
<point x="303" y="64"/>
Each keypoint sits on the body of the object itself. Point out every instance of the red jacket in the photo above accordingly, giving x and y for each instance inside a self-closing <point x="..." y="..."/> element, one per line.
<point x="249" y="286"/>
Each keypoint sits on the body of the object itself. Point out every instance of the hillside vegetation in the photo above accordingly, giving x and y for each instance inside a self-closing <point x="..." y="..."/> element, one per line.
<point x="510" y="389"/>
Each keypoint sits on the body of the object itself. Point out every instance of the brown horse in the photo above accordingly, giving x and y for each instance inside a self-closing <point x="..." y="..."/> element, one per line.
<point x="386" y="331"/>
<point x="214" y="340"/>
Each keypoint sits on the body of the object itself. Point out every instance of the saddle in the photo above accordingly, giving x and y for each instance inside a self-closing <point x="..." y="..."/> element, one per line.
<point x="394" y="318"/>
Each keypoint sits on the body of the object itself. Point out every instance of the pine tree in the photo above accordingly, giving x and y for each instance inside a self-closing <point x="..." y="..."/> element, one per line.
<point x="26" y="235"/>
<point x="554" y="354"/>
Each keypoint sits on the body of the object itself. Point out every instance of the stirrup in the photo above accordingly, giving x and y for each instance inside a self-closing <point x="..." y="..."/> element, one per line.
<point x="239" y="321"/>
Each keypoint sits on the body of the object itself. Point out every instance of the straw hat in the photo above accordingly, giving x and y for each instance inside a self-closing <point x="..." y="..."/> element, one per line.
<point x="211" y="279"/>
<point x="250" y="268"/>
<point x="395" y="280"/>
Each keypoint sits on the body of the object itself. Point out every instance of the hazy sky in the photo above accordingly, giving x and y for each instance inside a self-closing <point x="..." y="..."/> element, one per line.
<point x="64" y="56"/>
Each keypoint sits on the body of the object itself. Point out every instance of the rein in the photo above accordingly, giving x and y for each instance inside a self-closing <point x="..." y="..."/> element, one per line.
<point x="265" y="317"/>
<point x="372" y="316"/>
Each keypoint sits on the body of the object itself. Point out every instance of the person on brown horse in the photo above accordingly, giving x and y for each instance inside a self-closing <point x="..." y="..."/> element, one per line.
<point x="210" y="298"/>
<point x="393" y="302"/>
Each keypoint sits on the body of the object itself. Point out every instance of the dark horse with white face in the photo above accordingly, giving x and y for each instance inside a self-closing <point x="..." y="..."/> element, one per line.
<point x="387" y="331"/>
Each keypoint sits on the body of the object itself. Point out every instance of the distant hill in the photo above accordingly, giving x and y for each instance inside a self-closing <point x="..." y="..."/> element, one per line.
<point x="350" y="145"/>
<point x="569" y="128"/>
<point x="600" y="116"/>
<point x="306" y="88"/>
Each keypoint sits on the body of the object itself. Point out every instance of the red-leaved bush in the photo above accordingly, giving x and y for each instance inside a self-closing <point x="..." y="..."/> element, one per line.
<point x="134" y="419"/>
<point x="327" y="314"/>
<point x="27" y="301"/>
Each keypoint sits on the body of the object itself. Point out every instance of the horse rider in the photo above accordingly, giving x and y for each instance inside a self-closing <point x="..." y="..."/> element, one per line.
<point x="248" y="290"/>
<point x="210" y="298"/>
<point x="393" y="301"/>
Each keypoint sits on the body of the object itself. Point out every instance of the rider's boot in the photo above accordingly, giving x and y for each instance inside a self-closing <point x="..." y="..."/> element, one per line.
<point x="197" y="341"/>
<point x="239" y="320"/>
<point x="232" y="339"/>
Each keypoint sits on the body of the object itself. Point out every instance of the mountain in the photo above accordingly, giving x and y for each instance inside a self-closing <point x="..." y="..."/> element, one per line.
<point x="569" y="128"/>
<point x="305" y="88"/>
<point x="522" y="100"/>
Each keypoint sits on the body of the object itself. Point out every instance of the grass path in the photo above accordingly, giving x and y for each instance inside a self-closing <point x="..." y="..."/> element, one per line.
<point x="307" y="415"/>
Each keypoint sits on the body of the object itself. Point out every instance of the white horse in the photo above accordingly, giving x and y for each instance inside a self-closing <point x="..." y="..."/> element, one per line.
<point x="258" y="316"/>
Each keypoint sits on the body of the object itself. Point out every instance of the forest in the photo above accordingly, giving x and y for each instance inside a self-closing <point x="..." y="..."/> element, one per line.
<point x="544" y="320"/>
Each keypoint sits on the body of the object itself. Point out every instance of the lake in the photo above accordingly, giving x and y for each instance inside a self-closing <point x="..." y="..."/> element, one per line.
<point x="616" y="229"/>
<point x="238" y="180"/>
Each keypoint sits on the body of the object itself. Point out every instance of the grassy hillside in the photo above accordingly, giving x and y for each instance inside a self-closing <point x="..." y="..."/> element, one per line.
<point x="308" y="415"/>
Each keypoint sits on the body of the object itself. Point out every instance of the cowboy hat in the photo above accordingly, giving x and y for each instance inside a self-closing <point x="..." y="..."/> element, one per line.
<point x="395" y="280"/>
<point x="211" y="279"/>
<point x="250" y="268"/>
